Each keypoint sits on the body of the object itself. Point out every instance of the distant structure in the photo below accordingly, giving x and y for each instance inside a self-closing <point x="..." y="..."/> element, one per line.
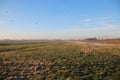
<point x="91" y="38"/>
<point x="104" y="37"/>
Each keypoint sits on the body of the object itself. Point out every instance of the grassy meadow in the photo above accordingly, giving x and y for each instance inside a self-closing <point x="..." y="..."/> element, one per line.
<point x="59" y="61"/>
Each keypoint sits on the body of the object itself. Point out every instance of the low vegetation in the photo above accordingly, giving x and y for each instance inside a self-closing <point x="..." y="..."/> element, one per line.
<point x="59" y="61"/>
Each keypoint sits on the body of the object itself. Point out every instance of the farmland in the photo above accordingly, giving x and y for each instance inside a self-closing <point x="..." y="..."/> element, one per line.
<point x="59" y="61"/>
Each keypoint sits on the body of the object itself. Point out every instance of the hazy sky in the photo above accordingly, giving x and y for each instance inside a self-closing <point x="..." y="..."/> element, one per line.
<point x="59" y="19"/>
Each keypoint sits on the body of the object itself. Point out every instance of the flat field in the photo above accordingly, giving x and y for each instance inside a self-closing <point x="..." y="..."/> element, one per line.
<point x="59" y="61"/>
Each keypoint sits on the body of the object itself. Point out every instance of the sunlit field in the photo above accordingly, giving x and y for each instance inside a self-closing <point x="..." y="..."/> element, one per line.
<point x="59" y="61"/>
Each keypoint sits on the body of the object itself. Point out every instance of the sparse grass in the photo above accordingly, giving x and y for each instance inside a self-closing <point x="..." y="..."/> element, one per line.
<point x="59" y="61"/>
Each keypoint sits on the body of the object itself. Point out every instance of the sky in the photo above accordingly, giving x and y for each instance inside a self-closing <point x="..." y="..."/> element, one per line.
<point x="59" y="19"/>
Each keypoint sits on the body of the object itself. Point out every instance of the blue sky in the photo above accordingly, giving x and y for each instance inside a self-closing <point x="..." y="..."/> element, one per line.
<point x="59" y="19"/>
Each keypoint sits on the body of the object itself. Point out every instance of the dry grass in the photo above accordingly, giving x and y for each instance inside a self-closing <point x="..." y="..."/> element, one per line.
<point x="8" y="53"/>
<point x="59" y="61"/>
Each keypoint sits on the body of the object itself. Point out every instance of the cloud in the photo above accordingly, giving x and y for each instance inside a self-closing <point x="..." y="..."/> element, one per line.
<point x="96" y="20"/>
<point x="98" y="30"/>
<point x="2" y="22"/>
<point x="87" y="20"/>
